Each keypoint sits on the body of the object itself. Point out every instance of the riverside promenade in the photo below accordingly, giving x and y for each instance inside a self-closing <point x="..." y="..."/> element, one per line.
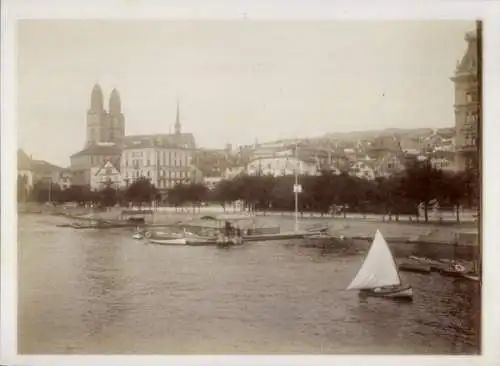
<point x="437" y="231"/>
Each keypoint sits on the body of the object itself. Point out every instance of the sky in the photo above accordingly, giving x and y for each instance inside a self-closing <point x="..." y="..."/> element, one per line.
<point x="236" y="81"/>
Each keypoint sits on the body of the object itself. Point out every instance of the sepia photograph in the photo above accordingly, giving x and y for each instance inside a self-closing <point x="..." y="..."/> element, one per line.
<point x="249" y="186"/>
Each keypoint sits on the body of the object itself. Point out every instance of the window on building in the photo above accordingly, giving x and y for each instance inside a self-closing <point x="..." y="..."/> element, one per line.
<point x="468" y="97"/>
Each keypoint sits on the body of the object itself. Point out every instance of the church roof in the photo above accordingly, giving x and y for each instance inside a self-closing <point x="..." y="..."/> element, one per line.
<point x="115" y="105"/>
<point x="106" y="165"/>
<point x="23" y="160"/>
<point x="184" y="140"/>
<point x="44" y="167"/>
<point x="96" y="149"/>
<point x="145" y="143"/>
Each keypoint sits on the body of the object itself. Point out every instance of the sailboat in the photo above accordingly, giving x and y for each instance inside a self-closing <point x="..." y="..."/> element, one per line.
<point x="379" y="276"/>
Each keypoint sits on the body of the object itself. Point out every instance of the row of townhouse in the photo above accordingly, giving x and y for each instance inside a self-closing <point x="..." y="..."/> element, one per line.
<point x="286" y="162"/>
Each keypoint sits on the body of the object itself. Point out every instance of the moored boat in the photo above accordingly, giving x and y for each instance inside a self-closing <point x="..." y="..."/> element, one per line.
<point x="414" y="267"/>
<point x="471" y="277"/>
<point x="379" y="275"/>
<point x="177" y="241"/>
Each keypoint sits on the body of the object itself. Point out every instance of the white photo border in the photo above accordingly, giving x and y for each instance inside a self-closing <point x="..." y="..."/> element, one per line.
<point x="488" y="11"/>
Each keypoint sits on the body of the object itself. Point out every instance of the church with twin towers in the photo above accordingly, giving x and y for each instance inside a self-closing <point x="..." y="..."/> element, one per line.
<point x="165" y="158"/>
<point x="102" y="125"/>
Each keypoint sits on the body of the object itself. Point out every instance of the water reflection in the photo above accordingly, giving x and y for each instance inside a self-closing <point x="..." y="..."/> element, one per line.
<point x="103" y="292"/>
<point x="102" y="281"/>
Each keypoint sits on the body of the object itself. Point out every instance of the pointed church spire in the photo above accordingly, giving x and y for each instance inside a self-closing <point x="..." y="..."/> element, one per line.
<point x="177" y="120"/>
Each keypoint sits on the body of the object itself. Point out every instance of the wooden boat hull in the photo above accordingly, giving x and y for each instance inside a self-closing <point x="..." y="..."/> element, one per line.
<point x="471" y="277"/>
<point x="451" y="270"/>
<point x="177" y="241"/>
<point x="229" y="242"/>
<point x="399" y="293"/>
<point x="415" y="267"/>
<point x="200" y="241"/>
<point x="278" y="236"/>
<point x="85" y="226"/>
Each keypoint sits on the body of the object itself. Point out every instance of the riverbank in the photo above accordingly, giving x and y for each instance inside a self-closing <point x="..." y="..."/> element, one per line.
<point x="349" y="227"/>
<point x="467" y="218"/>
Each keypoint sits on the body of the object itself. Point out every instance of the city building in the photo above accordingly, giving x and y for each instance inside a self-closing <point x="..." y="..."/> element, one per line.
<point x="93" y="157"/>
<point x="467" y="106"/>
<point x="24" y="175"/>
<point x="65" y="177"/>
<point x="164" y="164"/>
<point x="106" y="142"/>
<point x="441" y="163"/>
<point x="282" y="165"/>
<point x="233" y="171"/>
<point x="45" y="171"/>
<point x="24" y="169"/>
<point x="107" y="175"/>
<point x="211" y="182"/>
<point x="389" y="164"/>
<point x="363" y="169"/>
<point x="214" y="162"/>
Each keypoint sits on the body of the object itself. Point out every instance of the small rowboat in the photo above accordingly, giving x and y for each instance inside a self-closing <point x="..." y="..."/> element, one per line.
<point x="396" y="292"/>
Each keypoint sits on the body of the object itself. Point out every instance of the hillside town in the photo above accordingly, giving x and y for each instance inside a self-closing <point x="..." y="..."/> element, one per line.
<point x="111" y="158"/>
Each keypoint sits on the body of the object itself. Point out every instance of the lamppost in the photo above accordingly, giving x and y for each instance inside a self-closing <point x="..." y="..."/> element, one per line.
<point x="297" y="188"/>
<point x="50" y="188"/>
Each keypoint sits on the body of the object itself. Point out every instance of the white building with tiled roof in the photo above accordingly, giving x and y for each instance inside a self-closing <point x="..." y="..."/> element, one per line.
<point x="107" y="175"/>
<point x="165" y="158"/>
<point x="164" y="164"/>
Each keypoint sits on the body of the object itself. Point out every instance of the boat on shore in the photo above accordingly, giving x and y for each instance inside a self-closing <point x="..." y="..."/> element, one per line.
<point x="379" y="275"/>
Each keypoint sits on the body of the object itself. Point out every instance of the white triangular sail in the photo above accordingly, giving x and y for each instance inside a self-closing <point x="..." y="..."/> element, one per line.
<point x="378" y="269"/>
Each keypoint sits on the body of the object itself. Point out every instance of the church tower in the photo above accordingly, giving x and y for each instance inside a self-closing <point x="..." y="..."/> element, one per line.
<point x="177" y="126"/>
<point x="116" y="122"/>
<point x="467" y="105"/>
<point x="101" y="125"/>
<point x="96" y="116"/>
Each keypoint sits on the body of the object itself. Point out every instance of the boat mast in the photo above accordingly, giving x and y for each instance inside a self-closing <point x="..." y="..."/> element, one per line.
<point x="394" y="262"/>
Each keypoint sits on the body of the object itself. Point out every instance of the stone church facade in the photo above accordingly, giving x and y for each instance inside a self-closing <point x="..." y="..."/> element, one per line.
<point x="105" y="139"/>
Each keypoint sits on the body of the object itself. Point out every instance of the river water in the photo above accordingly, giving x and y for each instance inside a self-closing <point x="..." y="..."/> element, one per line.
<point x="101" y="292"/>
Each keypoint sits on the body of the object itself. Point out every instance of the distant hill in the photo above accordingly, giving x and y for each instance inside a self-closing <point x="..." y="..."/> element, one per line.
<point x="353" y="136"/>
<point x="359" y="135"/>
